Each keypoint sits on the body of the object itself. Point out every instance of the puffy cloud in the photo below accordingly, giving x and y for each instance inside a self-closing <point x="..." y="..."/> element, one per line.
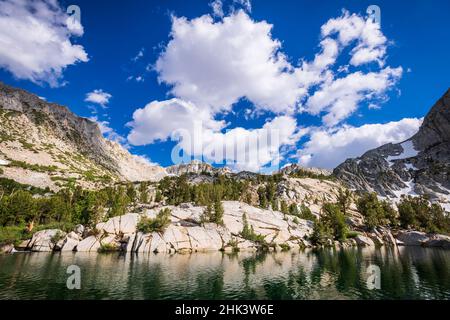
<point x="210" y="64"/>
<point x="328" y="148"/>
<point x="99" y="97"/>
<point x="341" y="97"/>
<point x="214" y="64"/>
<point x="161" y="120"/>
<point x="217" y="7"/>
<point x="35" y="40"/>
<point x="199" y="135"/>
<point x="251" y="149"/>
<point x="371" y="43"/>
<point x="245" y="4"/>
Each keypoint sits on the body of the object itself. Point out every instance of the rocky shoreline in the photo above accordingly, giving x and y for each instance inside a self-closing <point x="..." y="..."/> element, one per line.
<point x="187" y="234"/>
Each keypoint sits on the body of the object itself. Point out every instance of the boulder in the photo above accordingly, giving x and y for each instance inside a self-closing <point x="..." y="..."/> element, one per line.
<point x="376" y="238"/>
<point x="412" y="238"/>
<point x="130" y="242"/>
<point x="387" y="237"/>
<point x="177" y="238"/>
<point x="45" y="240"/>
<point x="438" y="241"/>
<point x="59" y="244"/>
<point x="128" y="223"/>
<point x="71" y="241"/>
<point x="158" y="244"/>
<point x="143" y="243"/>
<point x="69" y="245"/>
<point x="90" y="244"/>
<point x="23" y="245"/>
<point x="364" y="241"/>
<point x="6" y="248"/>
<point x="207" y="238"/>
<point x="354" y="221"/>
<point x="120" y="225"/>
<point x="100" y="226"/>
<point x="79" y="229"/>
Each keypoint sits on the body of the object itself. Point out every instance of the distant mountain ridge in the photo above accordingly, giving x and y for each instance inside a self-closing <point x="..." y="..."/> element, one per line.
<point x="294" y="168"/>
<point x="196" y="167"/>
<point x="417" y="166"/>
<point x="45" y="144"/>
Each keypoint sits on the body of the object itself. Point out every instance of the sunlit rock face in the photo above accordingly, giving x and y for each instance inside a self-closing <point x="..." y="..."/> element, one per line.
<point x="196" y="167"/>
<point x="186" y="233"/>
<point x="43" y="143"/>
<point x="419" y="165"/>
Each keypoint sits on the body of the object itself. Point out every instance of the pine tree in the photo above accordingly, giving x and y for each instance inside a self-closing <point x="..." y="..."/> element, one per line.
<point x="275" y="205"/>
<point x="207" y="214"/>
<point x="158" y="196"/>
<point x="143" y="192"/>
<point x="262" y="197"/>
<point x="218" y="212"/>
<point x="284" y="207"/>
<point x="131" y="193"/>
<point x="344" y="199"/>
<point x="335" y="220"/>
<point x="293" y="210"/>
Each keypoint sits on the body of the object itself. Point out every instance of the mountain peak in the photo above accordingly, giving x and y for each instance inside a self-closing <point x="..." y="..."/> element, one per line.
<point x="435" y="128"/>
<point x="58" y="146"/>
<point x="419" y="165"/>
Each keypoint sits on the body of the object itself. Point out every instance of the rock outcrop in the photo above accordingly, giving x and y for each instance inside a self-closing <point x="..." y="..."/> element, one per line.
<point x="45" y="240"/>
<point x="419" y="165"/>
<point x="196" y="167"/>
<point x="438" y="241"/>
<point x="6" y="248"/>
<point x="296" y="168"/>
<point x="58" y="146"/>
<point x="187" y="234"/>
<point x="364" y="241"/>
<point x="412" y="238"/>
<point x="70" y="242"/>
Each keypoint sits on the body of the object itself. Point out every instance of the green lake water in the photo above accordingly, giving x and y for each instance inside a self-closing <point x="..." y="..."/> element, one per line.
<point x="405" y="273"/>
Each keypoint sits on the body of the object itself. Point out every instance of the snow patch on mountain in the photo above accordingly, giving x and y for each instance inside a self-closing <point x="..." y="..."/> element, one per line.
<point x="407" y="190"/>
<point x="410" y="166"/>
<point x="408" y="152"/>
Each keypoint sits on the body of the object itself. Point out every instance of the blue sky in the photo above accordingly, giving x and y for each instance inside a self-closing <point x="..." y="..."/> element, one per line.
<point x="128" y="51"/>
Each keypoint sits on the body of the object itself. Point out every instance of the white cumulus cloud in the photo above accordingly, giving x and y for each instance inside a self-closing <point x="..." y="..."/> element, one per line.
<point x="370" y="41"/>
<point x="210" y="63"/>
<point x="214" y="64"/>
<point x="327" y="148"/>
<point x="217" y="7"/>
<point x="99" y="97"/>
<point x="160" y="120"/>
<point x="340" y="97"/>
<point x="199" y="135"/>
<point x="35" y="40"/>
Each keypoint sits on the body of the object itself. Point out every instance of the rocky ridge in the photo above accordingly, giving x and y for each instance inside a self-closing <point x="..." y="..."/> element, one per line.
<point x="57" y="146"/>
<point x="196" y="167"/>
<point x="417" y="166"/>
<point x="295" y="168"/>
